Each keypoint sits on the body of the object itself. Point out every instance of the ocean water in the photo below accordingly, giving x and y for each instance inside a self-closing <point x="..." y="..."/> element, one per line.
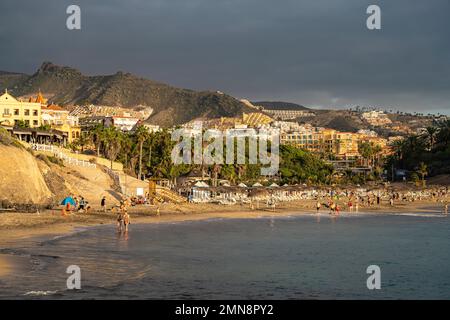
<point x="300" y="257"/>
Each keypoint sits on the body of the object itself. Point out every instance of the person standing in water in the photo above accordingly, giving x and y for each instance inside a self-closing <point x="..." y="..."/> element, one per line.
<point x="126" y="220"/>
<point x="120" y="218"/>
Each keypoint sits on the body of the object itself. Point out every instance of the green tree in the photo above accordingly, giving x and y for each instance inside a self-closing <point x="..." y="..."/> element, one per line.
<point x="423" y="171"/>
<point x="112" y="140"/>
<point x="21" y="124"/>
<point x="430" y="135"/>
<point x="142" y="135"/>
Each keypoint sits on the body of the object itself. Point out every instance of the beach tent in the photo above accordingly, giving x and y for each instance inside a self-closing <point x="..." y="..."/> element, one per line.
<point x="68" y="200"/>
<point x="274" y="185"/>
<point x="242" y="185"/>
<point x="201" y="184"/>
<point x="257" y="185"/>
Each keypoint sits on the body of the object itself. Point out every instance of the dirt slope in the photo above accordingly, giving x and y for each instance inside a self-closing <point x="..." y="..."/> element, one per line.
<point x="26" y="180"/>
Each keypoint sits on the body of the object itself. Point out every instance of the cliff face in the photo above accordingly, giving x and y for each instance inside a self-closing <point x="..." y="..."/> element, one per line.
<point x="21" y="180"/>
<point x="27" y="181"/>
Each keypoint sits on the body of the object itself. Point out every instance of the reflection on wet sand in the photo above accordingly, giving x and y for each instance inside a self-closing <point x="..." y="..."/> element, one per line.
<point x="10" y="264"/>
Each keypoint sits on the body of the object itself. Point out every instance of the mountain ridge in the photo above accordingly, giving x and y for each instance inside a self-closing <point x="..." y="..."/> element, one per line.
<point x="172" y="106"/>
<point x="279" y="105"/>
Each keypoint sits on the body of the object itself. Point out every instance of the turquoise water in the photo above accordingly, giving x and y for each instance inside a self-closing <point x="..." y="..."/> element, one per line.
<point x="268" y="258"/>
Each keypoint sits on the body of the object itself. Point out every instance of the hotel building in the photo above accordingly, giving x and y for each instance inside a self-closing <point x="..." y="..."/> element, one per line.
<point x="13" y="111"/>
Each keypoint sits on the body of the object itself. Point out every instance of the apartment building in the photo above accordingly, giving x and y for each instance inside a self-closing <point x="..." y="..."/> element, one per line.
<point x="13" y="111"/>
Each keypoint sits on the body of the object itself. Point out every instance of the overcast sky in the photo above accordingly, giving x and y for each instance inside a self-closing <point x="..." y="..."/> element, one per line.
<point x="315" y="52"/>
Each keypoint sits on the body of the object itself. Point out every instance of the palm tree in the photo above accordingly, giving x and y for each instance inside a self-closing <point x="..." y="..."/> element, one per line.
<point x="443" y="136"/>
<point x="112" y="140"/>
<point x="142" y="135"/>
<point x="423" y="171"/>
<point x="366" y="151"/>
<point x="97" y="137"/>
<point x="430" y="134"/>
<point x="82" y="141"/>
<point x="216" y="170"/>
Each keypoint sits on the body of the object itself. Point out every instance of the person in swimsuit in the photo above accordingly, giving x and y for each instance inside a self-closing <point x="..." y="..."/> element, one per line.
<point x="120" y="218"/>
<point x="126" y="220"/>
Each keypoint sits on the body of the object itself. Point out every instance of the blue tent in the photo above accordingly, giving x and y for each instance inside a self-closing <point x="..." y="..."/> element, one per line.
<point x="68" y="200"/>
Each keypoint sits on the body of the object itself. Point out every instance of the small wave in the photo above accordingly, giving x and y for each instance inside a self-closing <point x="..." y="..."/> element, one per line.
<point x="427" y="215"/>
<point x="40" y="293"/>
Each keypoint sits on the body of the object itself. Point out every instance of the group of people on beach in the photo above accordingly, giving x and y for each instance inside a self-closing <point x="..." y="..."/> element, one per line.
<point x="123" y="218"/>
<point x="376" y="197"/>
<point x="78" y="204"/>
<point x="74" y="203"/>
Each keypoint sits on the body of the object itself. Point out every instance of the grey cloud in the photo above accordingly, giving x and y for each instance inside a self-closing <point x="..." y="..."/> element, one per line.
<point x="316" y="53"/>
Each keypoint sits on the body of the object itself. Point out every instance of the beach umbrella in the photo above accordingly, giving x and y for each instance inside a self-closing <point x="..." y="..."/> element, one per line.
<point x="242" y="185"/>
<point x="68" y="200"/>
<point x="257" y="185"/>
<point x="258" y="193"/>
<point x="274" y="185"/>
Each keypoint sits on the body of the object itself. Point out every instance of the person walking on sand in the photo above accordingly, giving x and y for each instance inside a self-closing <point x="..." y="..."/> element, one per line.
<point x="82" y="205"/>
<point x="318" y="205"/>
<point x="103" y="204"/>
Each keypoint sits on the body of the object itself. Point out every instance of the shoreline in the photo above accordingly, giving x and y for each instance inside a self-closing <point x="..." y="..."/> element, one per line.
<point x="30" y="229"/>
<point x="19" y="227"/>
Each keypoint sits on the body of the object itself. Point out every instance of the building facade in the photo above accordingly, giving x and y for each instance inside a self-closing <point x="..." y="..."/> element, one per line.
<point x="13" y="111"/>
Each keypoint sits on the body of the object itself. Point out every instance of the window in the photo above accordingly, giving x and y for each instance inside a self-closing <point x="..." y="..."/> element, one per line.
<point x="27" y="112"/>
<point x="35" y="113"/>
<point x="6" y="112"/>
<point x="16" y="112"/>
<point x="35" y="122"/>
<point x="27" y="122"/>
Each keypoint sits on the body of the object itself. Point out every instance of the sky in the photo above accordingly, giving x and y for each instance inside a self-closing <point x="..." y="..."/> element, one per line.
<point x="316" y="53"/>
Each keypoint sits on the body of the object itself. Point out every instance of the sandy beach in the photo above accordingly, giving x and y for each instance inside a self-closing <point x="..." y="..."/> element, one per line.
<point x="19" y="227"/>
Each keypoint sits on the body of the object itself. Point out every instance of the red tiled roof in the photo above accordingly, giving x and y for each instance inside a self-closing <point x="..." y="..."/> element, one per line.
<point x="53" y="107"/>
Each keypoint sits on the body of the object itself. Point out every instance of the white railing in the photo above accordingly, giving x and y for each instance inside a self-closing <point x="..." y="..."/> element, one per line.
<point x="60" y="154"/>
<point x="116" y="177"/>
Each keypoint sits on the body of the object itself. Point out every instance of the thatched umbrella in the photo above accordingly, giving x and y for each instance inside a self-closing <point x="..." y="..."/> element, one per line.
<point x="258" y="193"/>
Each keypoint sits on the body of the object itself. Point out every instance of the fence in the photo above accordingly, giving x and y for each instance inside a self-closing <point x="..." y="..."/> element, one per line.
<point x="116" y="178"/>
<point x="60" y="154"/>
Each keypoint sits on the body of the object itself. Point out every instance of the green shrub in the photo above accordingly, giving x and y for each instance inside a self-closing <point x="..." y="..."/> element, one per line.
<point x="50" y="159"/>
<point x="5" y="137"/>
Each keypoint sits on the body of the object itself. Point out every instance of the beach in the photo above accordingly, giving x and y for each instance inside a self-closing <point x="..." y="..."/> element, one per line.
<point x="16" y="227"/>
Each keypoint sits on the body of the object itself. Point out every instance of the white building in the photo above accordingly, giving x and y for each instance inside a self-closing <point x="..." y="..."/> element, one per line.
<point x="124" y="123"/>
